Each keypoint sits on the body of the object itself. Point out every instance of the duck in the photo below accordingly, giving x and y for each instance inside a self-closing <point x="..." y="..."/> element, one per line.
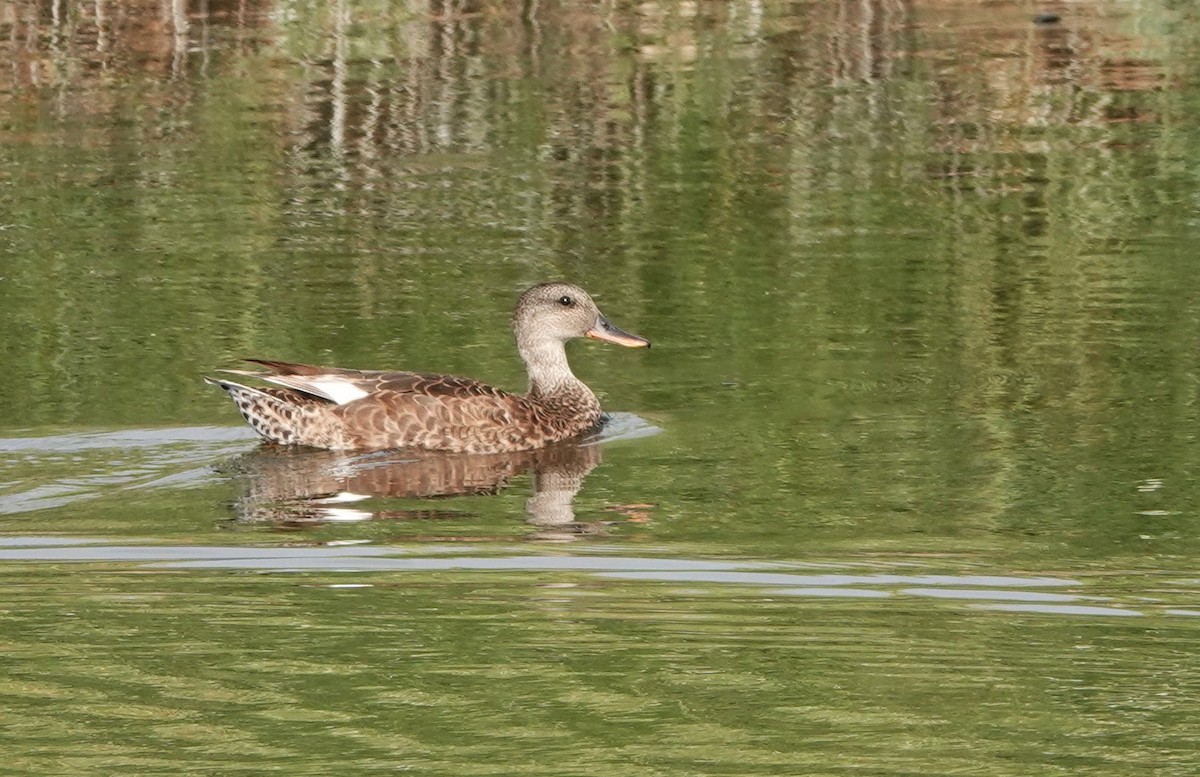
<point x="364" y="410"/>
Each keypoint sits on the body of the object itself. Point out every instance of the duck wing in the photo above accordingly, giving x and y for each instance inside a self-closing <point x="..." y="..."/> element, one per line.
<point x="343" y="386"/>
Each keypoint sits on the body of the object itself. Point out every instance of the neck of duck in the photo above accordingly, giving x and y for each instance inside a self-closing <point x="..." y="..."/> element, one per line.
<point x="552" y="384"/>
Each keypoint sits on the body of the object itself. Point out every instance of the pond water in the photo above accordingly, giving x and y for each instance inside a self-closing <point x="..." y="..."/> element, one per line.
<point x="907" y="484"/>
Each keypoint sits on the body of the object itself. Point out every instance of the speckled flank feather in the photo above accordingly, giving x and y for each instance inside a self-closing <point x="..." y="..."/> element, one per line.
<point x="281" y="416"/>
<point x="341" y="409"/>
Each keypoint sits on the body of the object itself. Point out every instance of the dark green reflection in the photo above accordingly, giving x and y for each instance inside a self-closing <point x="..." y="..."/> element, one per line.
<point x="921" y="282"/>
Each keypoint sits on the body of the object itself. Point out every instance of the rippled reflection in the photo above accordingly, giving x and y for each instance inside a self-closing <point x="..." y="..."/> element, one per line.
<point x="921" y="279"/>
<point x="296" y="487"/>
<point x="833" y="580"/>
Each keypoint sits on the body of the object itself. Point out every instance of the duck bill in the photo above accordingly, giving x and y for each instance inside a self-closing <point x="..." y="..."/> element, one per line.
<point x="604" y="330"/>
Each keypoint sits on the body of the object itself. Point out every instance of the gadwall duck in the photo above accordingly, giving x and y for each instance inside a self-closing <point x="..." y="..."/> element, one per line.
<point x="339" y="409"/>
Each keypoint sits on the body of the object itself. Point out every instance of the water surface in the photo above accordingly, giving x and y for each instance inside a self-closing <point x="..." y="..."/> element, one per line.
<point x="905" y="485"/>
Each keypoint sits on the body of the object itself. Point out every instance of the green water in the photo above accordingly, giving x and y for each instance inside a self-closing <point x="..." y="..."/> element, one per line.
<point x="905" y="486"/>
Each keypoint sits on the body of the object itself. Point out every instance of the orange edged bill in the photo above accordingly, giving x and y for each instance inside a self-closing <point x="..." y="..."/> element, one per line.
<point x="604" y="330"/>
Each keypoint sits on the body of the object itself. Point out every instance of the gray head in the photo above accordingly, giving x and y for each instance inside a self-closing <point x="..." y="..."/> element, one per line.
<point x="557" y="312"/>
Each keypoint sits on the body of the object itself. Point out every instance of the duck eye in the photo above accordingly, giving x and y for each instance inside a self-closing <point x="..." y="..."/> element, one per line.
<point x="566" y="301"/>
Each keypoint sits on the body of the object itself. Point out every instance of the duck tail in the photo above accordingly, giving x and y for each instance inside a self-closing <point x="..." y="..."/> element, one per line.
<point x="268" y="413"/>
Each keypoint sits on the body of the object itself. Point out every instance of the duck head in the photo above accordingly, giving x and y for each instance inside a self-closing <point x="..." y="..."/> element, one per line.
<point x="557" y="312"/>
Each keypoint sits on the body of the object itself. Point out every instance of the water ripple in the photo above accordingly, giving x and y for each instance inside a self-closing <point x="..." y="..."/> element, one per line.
<point x="1008" y="593"/>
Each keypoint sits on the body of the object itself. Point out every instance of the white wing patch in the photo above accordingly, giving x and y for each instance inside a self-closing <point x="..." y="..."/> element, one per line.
<point x="332" y="387"/>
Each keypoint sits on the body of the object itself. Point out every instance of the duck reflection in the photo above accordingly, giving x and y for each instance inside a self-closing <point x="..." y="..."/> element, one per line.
<point x="299" y="488"/>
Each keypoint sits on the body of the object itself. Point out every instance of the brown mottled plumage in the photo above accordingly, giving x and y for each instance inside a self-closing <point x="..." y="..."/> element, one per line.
<point x="339" y="409"/>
